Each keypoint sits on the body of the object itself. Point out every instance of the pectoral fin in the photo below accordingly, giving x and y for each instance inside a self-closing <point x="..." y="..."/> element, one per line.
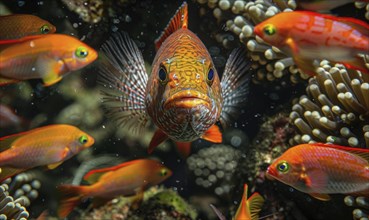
<point x="7" y="81"/>
<point x="54" y="165"/>
<point x="184" y="148"/>
<point x="213" y="135"/>
<point x="157" y="139"/>
<point x="305" y="65"/>
<point x="322" y="197"/>
<point x="50" y="70"/>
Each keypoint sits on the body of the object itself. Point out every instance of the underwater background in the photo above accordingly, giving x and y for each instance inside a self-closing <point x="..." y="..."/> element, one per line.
<point x="277" y="116"/>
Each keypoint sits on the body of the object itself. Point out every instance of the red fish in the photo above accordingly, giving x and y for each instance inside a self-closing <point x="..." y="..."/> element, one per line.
<point x="127" y="179"/>
<point x="309" y="36"/>
<point x="322" y="169"/>
<point x="46" y="58"/>
<point x="183" y="96"/>
<point x="21" y="27"/>
<point x="45" y="146"/>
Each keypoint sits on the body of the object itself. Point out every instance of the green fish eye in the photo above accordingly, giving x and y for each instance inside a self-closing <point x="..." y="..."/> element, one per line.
<point x="45" y="29"/>
<point x="283" y="167"/>
<point x="269" y="29"/>
<point x="163" y="172"/>
<point x="83" y="139"/>
<point x="81" y="52"/>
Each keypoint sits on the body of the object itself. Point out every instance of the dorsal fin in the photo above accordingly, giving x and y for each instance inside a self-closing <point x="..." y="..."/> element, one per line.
<point x="363" y="153"/>
<point x="94" y="175"/>
<point x="178" y="21"/>
<point x="255" y="203"/>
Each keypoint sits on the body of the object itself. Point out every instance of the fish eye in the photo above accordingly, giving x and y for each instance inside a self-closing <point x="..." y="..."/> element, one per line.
<point x="283" y="167"/>
<point x="210" y="76"/>
<point x="81" y="52"/>
<point x="83" y="139"/>
<point x="269" y="29"/>
<point x="162" y="74"/>
<point x="45" y="29"/>
<point x="163" y="172"/>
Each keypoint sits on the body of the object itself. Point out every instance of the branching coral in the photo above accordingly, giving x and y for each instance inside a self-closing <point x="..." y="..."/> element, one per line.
<point x="335" y="109"/>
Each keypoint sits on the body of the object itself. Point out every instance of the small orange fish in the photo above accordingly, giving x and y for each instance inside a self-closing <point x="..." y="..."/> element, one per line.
<point x="321" y="169"/>
<point x="248" y="209"/>
<point x="127" y="179"/>
<point x="46" y="58"/>
<point x="21" y="27"/>
<point x="309" y="36"/>
<point x="183" y="96"/>
<point x="45" y="146"/>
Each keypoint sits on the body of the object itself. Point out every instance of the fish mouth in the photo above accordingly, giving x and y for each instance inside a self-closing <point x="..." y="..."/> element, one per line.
<point x="271" y="173"/>
<point x="187" y="99"/>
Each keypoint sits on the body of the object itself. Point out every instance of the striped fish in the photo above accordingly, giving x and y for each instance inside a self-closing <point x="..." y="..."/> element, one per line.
<point x="183" y="96"/>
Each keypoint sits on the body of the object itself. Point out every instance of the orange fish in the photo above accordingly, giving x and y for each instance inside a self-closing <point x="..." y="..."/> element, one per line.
<point x="21" y="27"/>
<point x="45" y="146"/>
<point x="248" y="209"/>
<point x="309" y="36"/>
<point x="321" y="169"/>
<point x="320" y="5"/>
<point x="127" y="179"/>
<point x="46" y="58"/>
<point x="183" y="96"/>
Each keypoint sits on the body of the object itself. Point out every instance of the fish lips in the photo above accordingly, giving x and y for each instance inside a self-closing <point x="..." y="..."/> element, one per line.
<point x="271" y="173"/>
<point x="187" y="99"/>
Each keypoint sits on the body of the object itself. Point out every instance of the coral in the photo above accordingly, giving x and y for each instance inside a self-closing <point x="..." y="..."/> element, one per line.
<point x="90" y="11"/>
<point x="213" y="168"/>
<point x="16" y="194"/>
<point x="335" y="109"/>
<point x="361" y="205"/>
<point x="365" y="5"/>
<point x="158" y="203"/>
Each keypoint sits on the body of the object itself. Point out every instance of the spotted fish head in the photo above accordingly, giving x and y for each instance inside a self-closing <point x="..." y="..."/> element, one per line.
<point x="183" y="92"/>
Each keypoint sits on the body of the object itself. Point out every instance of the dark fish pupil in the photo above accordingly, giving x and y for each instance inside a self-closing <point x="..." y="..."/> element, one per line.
<point x="162" y="74"/>
<point x="211" y="74"/>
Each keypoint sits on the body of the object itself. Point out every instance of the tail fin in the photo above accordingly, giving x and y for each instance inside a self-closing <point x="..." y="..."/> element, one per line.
<point x="71" y="197"/>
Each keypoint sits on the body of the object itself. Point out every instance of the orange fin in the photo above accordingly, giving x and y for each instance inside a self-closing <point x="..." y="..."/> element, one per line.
<point x="322" y="197"/>
<point x="213" y="135"/>
<point x="157" y="139"/>
<point x="7" y="81"/>
<point x="71" y="197"/>
<point x="20" y="40"/>
<point x="6" y="172"/>
<point x="184" y="149"/>
<point x="94" y="175"/>
<point x="178" y="21"/>
<point x="255" y="203"/>
<point x="363" y="153"/>
<point x="243" y="211"/>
